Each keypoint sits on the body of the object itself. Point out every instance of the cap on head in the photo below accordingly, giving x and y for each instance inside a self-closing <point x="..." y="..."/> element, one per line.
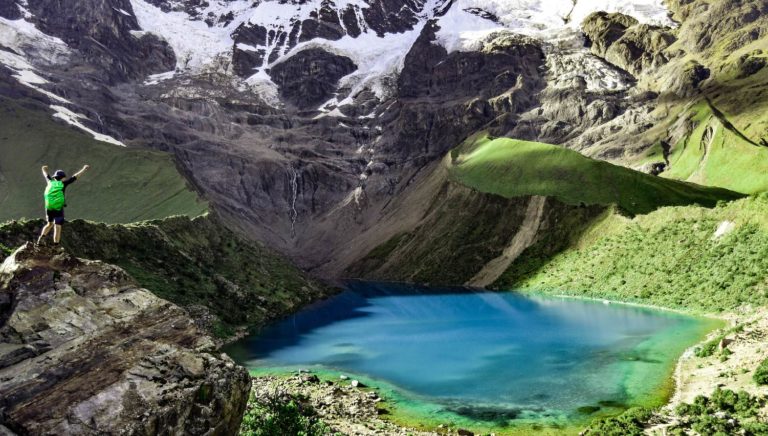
<point x="59" y="174"/>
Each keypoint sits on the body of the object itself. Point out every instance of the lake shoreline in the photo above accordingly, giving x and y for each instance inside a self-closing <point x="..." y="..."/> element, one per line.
<point x="658" y="396"/>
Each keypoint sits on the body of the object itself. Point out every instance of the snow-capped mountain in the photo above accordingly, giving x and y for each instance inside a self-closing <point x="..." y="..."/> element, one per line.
<point x="286" y="113"/>
<point x="248" y="39"/>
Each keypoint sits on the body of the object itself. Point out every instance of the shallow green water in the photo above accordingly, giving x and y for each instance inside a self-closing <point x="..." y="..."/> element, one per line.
<point x="487" y="361"/>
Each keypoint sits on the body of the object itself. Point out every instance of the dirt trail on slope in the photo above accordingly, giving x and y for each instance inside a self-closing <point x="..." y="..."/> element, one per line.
<point x="523" y="239"/>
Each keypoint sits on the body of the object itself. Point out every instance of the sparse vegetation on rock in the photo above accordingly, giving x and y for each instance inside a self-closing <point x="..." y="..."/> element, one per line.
<point x="224" y="280"/>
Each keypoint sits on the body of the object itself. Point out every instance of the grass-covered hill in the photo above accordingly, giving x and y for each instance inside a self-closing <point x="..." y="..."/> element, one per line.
<point x="224" y="280"/>
<point x="514" y="168"/>
<point x="487" y="199"/>
<point x="691" y="257"/>
<point x="716" y="153"/>
<point x="124" y="184"/>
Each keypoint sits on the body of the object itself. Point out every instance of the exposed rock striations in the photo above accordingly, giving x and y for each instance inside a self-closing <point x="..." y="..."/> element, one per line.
<point x="84" y="350"/>
<point x="624" y="42"/>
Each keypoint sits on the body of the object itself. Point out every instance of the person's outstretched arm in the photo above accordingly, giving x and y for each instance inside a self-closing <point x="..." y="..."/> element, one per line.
<point x="80" y="173"/>
<point x="45" y="172"/>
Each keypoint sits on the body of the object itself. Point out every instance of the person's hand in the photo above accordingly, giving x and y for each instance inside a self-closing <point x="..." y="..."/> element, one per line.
<point x="86" y="167"/>
<point x="45" y="167"/>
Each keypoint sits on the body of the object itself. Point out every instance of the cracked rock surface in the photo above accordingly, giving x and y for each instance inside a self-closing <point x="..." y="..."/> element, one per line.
<point x="84" y="350"/>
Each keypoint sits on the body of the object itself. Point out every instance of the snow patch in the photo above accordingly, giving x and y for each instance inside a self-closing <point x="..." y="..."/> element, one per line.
<point x="24" y="38"/>
<point x="195" y="44"/>
<point x="379" y="60"/>
<point x="154" y="79"/>
<point x="263" y="86"/>
<point x="723" y="229"/>
<point x="198" y="46"/>
<point x="29" y="43"/>
<point x="246" y="47"/>
<point x="73" y="118"/>
<point x="23" y="5"/>
<point x="122" y="11"/>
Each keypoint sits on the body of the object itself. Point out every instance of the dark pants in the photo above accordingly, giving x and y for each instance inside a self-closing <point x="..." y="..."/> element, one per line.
<point x="55" y="216"/>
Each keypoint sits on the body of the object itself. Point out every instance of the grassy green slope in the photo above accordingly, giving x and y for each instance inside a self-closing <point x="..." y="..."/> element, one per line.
<point x="714" y="154"/>
<point x="124" y="185"/>
<point x="191" y="262"/>
<point x="462" y="231"/>
<point x="670" y="257"/>
<point x="512" y="168"/>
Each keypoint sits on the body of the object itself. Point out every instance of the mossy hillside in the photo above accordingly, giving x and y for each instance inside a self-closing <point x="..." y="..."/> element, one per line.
<point x="715" y="154"/>
<point x="671" y="258"/>
<point x="462" y="231"/>
<point x="737" y="55"/>
<point x="513" y="168"/>
<point x="192" y="262"/>
<point x="124" y="184"/>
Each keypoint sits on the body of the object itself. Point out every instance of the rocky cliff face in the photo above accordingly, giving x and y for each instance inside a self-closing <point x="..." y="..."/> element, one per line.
<point x="223" y="280"/>
<point x="84" y="350"/>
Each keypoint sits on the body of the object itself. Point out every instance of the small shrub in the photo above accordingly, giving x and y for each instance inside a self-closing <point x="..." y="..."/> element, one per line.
<point x="709" y="348"/>
<point x="280" y="415"/>
<point x="630" y="423"/>
<point x="724" y="413"/>
<point x="761" y="373"/>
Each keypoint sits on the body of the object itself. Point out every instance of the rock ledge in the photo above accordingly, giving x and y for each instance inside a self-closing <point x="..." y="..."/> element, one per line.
<point x="84" y="350"/>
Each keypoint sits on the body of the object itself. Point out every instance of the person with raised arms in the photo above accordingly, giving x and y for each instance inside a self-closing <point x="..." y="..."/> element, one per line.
<point x="55" y="201"/>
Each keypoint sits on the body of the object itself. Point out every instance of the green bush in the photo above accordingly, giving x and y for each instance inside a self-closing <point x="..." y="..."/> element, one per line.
<point x="709" y="348"/>
<point x="724" y="413"/>
<point x="761" y="373"/>
<point x="630" y="423"/>
<point x="4" y="251"/>
<point x="280" y="415"/>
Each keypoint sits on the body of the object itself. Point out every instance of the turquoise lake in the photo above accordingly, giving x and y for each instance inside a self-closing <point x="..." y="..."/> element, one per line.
<point x="492" y="360"/>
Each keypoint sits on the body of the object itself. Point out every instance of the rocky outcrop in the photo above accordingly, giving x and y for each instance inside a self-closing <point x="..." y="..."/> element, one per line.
<point x="174" y="258"/>
<point x="246" y="57"/>
<point x="443" y="97"/>
<point x="346" y="406"/>
<point x="310" y="77"/>
<point x="430" y="71"/>
<point x="84" y="350"/>
<point x="624" y="42"/>
<point x="100" y="30"/>
<point x="723" y="26"/>
<point x="10" y="10"/>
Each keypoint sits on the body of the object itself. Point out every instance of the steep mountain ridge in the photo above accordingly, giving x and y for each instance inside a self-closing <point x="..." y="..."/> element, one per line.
<point x="296" y="169"/>
<point x="491" y="199"/>
<point x="301" y="122"/>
